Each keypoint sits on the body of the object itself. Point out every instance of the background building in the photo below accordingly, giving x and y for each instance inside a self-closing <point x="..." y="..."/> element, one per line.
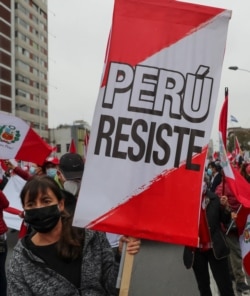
<point x="6" y="57"/>
<point x="62" y="136"/>
<point x="31" y="63"/>
<point x="24" y="61"/>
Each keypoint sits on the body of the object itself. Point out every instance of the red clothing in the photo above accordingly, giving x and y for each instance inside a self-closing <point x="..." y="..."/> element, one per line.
<point x="225" y="190"/>
<point x="4" y="203"/>
<point x="21" y="173"/>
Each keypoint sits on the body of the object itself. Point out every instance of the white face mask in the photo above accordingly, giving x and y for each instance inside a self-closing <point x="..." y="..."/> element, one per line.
<point x="72" y="186"/>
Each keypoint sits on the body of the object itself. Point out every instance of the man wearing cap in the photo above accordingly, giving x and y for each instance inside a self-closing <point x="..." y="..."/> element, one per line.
<point x="50" y="168"/>
<point x="71" y="167"/>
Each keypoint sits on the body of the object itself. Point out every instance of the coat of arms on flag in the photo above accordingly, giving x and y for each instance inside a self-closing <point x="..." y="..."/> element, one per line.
<point x="153" y="120"/>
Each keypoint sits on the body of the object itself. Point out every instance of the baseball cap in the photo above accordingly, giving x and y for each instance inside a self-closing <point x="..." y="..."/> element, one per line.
<point x="71" y="165"/>
<point x="52" y="159"/>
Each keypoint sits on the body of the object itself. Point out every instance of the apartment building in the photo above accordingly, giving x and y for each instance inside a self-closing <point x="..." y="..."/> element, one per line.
<point x="24" y="61"/>
<point x="6" y="57"/>
<point x="31" y="63"/>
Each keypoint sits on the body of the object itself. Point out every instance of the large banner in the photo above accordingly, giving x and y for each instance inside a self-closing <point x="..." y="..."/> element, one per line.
<point x="153" y="120"/>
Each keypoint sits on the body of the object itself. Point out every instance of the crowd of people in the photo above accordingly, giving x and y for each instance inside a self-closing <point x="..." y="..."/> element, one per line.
<point x="53" y="257"/>
<point x="220" y="249"/>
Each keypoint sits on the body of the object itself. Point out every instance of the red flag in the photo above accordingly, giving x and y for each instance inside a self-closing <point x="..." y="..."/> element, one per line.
<point x="243" y="225"/>
<point x="86" y="144"/>
<point x="237" y="146"/>
<point x="241" y="189"/>
<point x="19" y="141"/>
<point x="223" y="119"/>
<point x="72" y="147"/>
<point x="216" y="155"/>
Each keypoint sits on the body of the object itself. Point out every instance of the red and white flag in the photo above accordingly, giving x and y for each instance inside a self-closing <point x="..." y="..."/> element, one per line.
<point x="237" y="147"/>
<point x="243" y="225"/>
<point x="241" y="189"/>
<point x="153" y="121"/>
<point x="19" y="141"/>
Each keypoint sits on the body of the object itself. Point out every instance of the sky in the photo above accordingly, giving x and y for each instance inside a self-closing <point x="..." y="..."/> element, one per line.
<point x="78" y="34"/>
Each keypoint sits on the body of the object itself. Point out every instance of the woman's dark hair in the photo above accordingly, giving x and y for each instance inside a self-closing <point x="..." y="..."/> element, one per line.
<point x="71" y="241"/>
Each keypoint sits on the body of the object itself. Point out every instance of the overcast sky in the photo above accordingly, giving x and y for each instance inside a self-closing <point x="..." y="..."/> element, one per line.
<point x="78" y="32"/>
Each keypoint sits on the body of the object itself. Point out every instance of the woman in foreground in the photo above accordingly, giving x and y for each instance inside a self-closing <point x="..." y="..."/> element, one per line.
<point x="58" y="259"/>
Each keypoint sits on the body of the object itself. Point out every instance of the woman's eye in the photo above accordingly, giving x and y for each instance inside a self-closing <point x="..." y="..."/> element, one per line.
<point x="29" y="204"/>
<point x="47" y="201"/>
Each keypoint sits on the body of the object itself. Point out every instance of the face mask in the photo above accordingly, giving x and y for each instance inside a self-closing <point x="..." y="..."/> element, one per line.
<point x="209" y="172"/>
<point x="51" y="172"/>
<point x="43" y="219"/>
<point x="32" y="170"/>
<point x="72" y="187"/>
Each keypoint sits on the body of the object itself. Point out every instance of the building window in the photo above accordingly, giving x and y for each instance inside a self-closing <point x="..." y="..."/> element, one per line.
<point x="67" y="147"/>
<point x="58" y="148"/>
<point x="22" y="93"/>
<point x="22" y="65"/>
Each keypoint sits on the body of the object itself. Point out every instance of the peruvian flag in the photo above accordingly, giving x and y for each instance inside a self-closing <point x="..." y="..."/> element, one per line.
<point x="153" y="120"/>
<point x="241" y="189"/>
<point x="19" y="141"/>
<point x="243" y="224"/>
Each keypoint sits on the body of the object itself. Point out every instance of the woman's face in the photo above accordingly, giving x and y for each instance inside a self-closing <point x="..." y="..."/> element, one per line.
<point x="42" y="200"/>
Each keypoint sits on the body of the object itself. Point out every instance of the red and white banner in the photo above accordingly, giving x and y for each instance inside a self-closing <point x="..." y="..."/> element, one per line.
<point x="153" y="120"/>
<point x="19" y="141"/>
<point x="243" y="224"/>
<point x="12" y="191"/>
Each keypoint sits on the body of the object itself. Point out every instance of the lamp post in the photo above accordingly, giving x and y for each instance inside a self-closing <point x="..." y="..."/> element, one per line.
<point x="235" y="68"/>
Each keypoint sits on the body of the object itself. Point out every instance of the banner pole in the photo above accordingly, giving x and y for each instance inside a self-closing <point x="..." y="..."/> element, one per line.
<point x="126" y="274"/>
<point x="119" y="277"/>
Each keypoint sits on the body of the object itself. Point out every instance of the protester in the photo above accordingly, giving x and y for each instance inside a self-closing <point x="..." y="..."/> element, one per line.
<point x="50" y="168"/>
<point x="232" y="237"/>
<point x="71" y="167"/>
<point x="216" y="176"/>
<point x="58" y="259"/>
<point x="212" y="249"/>
<point x="245" y="171"/>
<point x="4" y="203"/>
<point x="34" y="169"/>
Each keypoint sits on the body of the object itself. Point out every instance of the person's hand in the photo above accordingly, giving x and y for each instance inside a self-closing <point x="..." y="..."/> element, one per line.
<point x="133" y="244"/>
<point x="9" y="164"/>
<point x="61" y="177"/>
<point x="233" y="215"/>
<point x="39" y="171"/>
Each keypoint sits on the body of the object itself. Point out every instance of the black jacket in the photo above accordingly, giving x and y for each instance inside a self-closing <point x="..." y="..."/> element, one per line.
<point x="216" y="214"/>
<point x="216" y="181"/>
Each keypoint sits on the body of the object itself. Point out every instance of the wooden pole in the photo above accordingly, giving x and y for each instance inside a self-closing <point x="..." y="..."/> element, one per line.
<point x="126" y="274"/>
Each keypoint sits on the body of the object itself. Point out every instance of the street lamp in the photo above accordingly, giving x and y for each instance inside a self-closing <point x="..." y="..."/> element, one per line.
<point x="235" y="68"/>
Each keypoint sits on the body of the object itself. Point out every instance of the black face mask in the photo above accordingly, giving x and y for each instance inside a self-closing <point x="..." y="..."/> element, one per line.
<point x="43" y="219"/>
